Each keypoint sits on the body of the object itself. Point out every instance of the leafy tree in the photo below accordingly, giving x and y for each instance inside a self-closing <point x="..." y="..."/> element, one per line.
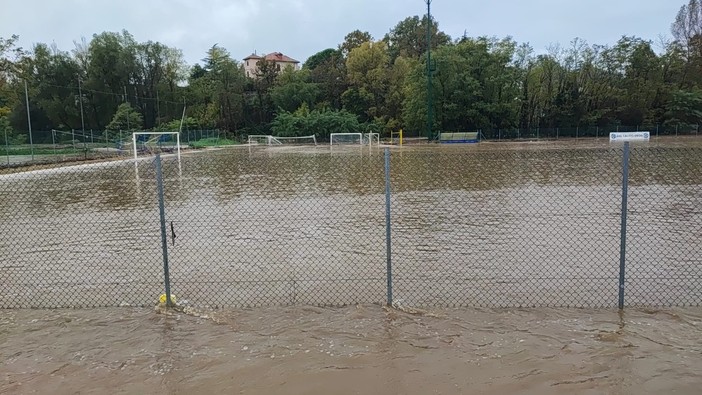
<point x="685" y="107"/>
<point x="126" y="118"/>
<point x="320" y="58"/>
<point x="189" y="123"/>
<point x="409" y="38"/>
<point x="293" y="88"/>
<point x="354" y="40"/>
<point x="330" y="76"/>
<point x="318" y="122"/>
<point x="687" y="28"/>
<point x="474" y="87"/>
<point x="51" y="69"/>
<point x="367" y="68"/>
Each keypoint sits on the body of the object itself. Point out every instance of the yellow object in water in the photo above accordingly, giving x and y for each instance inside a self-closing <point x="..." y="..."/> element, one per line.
<point x="162" y="299"/>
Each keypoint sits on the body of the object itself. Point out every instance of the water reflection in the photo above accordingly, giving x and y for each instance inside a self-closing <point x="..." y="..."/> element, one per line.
<point x="481" y="224"/>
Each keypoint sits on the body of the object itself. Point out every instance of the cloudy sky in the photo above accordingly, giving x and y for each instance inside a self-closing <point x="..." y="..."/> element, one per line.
<point x="300" y="28"/>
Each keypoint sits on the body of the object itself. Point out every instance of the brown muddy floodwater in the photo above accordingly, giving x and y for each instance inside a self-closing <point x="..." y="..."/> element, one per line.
<point x="488" y="225"/>
<point x="352" y="350"/>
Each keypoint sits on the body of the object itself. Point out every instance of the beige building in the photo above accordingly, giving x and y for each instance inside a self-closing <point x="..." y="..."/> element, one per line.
<point x="280" y="60"/>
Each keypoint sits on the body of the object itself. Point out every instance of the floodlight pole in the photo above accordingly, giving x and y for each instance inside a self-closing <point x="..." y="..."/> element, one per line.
<point x="429" y="95"/>
<point x="29" y="119"/>
<point x="82" y="118"/>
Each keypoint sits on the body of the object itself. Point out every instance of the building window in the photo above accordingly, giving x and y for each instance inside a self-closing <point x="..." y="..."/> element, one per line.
<point x="247" y="62"/>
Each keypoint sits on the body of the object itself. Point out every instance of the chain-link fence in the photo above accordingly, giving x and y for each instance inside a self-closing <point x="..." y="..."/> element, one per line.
<point x="478" y="225"/>
<point x="21" y="149"/>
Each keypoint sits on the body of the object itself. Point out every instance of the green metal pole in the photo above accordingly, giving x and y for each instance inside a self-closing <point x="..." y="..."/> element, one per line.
<point x="429" y="95"/>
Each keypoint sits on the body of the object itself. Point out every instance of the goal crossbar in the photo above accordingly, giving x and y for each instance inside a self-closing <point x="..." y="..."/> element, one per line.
<point x="270" y="140"/>
<point x="279" y="140"/>
<point x="344" y="136"/>
<point x="312" y="137"/>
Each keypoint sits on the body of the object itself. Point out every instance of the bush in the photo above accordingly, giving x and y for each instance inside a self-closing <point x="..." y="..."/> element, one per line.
<point x="211" y="142"/>
<point x="320" y="123"/>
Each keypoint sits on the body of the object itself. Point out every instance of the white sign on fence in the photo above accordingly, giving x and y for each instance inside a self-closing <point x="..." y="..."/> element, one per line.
<point x="629" y="136"/>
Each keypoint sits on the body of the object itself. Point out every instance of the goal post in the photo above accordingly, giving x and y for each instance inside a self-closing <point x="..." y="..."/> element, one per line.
<point x="158" y="134"/>
<point x="346" y="139"/>
<point x="371" y="138"/>
<point x="265" y="139"/>
<point x="297" y="140"/>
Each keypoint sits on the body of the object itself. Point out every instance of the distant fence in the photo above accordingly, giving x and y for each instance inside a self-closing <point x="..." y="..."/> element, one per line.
<point x="56" y="146"/>
<point x="422" y="226"/>
<point x="568" y="132"/>
<point x="588" y="132"/>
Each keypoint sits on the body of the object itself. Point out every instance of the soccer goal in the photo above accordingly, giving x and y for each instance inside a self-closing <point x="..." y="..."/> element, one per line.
<point x="346" y="139"/>
<point x="263" y="139"/>
<point x="371" y="138"/>
<point x="298" y="140"/>
<point x="150" y="143"/>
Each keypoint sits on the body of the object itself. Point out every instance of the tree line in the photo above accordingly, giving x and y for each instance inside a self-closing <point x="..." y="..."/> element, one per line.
<point x="114" y="82"/>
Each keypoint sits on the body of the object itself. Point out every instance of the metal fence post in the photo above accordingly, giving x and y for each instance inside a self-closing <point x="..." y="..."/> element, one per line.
<point x="622" y="246"/>
<point x="164" y="243"/>
<point x="7" y="148"/>
<point x="387" y="225"/>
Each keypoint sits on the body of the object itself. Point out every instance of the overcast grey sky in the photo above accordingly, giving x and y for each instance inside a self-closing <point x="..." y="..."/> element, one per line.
<point x="300" y="28"/>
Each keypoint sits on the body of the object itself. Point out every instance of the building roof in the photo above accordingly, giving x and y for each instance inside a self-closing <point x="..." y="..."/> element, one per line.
<point x="279" y="57"/>
<point x="253" y="56"/>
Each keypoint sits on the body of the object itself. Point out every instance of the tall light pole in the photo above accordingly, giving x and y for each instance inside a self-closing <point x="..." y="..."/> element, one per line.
<point x="82" y="118"/>
<point x="429" y="95"/>
<point x="29" y="119"/>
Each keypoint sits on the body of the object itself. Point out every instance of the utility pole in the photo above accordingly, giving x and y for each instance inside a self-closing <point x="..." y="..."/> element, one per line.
<point x="29" y="119"/>
<point x="128" y="112"/>
<point x="429" y="71"/>
<point x="158" y="109"/>
<point x="80" y="100"/>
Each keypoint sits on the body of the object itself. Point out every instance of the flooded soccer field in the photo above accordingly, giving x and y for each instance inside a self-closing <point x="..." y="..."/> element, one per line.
<point x="487" y="225"/>
<point x="492" y="228"/>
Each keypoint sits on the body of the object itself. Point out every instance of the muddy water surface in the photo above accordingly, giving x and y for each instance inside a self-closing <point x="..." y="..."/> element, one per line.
<point x="353" y="350"/>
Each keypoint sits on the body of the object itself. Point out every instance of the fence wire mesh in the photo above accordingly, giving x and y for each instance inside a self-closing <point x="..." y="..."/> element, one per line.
<point x="664" y="241"/>
<point x="81" y="236"/>
<point x="507" y="228"/>
<point x="495" y="225"/>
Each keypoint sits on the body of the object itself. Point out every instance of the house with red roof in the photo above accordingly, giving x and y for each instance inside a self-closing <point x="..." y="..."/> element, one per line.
<point x="280" y="60"/>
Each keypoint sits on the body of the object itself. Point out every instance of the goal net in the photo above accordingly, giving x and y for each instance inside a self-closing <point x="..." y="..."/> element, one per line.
<point x="346" y="139"/>
<point x="371" y="139"/>
<point x="152" y="143"/>
<point x="263" y="139"/>
<point x="267" y="139"/>
<point x="299" y="140"/>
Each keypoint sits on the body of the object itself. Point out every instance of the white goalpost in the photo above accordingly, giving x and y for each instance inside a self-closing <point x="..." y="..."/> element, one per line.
<point x="157" y="134"/>
<point x="265" y="139"/>
<point x="371" y="138"/>
<point x="298" y="140"/>
<point x="346" y="139"/>
<point x="354" y="139"/>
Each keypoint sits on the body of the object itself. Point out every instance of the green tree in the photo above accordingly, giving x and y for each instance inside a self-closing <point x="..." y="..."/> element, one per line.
<point x="354" y="40"/>
<point x="474" y="87"/>
<point x="318" y="122"/>
<point x="367" y="68"/>
<point x="293" y="88"/>
<point x="320" y="58"/>
<point x="685" y="107"/>
<point x="330" y="76"/>
<point x="409" y="38"/>
<point x="126" y="118"/>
